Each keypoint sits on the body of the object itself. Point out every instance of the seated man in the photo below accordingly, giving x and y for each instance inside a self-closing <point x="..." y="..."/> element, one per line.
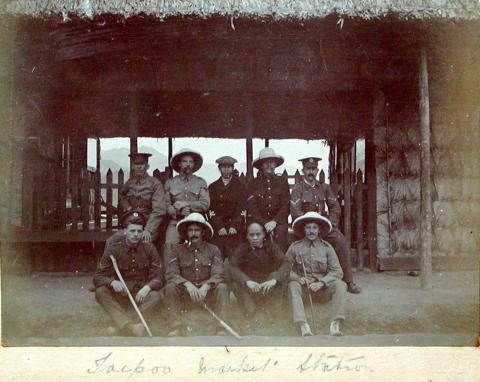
<point x="141" y="269"/>
<point x="311" y="195"/>
<point x="316" y="269"/>
<point x="194" y="272"/>
<point x="186" y="192"/>
<point x="228" y="198"/>
<point x="259" y="270"/>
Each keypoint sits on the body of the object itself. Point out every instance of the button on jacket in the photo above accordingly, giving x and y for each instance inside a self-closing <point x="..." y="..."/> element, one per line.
<point x="227" y="204"/>
<point x="321" y="262"/>
<point x="148" y="196"/>
<point x="268" y="199"/>
<point x="190" y="191"/>
<point x="259" y="264"/>
<point x="138" y="265"/>
<point x="198" y="265"/>
<point x="307" y="198"/>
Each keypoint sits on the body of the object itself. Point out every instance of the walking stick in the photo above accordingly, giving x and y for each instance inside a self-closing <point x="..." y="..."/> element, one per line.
<point x="132" y="300"/>
<point x="221" y="322"/>
<point x="309" y="293"/>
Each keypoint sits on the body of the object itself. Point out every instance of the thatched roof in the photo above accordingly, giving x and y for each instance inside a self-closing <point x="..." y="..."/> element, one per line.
<point x="299" y="9"/>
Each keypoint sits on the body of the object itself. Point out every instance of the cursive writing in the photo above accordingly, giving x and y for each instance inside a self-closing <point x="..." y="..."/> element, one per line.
<point x="330" y="362"/>
<point x="244" y="366"/>
<point x="107" y="365"/>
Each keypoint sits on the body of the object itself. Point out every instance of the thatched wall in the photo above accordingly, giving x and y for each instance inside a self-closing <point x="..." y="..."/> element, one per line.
<point x="466" y="9"/>
<point x="455" y="136"/>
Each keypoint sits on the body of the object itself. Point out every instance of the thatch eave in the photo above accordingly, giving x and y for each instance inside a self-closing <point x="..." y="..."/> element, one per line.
<point x="278" y="9"/>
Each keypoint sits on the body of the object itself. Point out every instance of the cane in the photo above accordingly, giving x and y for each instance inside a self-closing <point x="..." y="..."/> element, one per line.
<point x="309" y="293"/>
<point x="227" y="327"/>
<point x="132" y="300"/>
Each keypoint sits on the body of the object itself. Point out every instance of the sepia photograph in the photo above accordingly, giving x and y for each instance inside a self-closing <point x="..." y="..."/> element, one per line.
<point x="240" y="173"/>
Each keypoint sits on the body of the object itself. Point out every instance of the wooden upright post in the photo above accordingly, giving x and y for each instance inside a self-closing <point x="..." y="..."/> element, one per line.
<point x="425" y="178"/>
<point x="249" y="158"/>
<point x="133" y="123"/>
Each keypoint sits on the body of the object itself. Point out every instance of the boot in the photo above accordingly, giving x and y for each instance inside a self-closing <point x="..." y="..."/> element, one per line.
<point x="335" y="328"/>
<point x="353" y="288"/>
<point x="305" y="329"/>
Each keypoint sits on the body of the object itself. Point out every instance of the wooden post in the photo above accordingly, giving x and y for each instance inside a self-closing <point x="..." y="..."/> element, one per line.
<point x="97" y="204"/>
<point x="109" y="199"/>
<point x="347" y="190"/>
<point x="359" y="220"/>
<point x="267" y="142"/>
<point x="371" y="180"/>
<point x="249" y="147"/>
<point x="133" y="123"/>
<point x="425" y="178"/>
<point x="85" y="182"/>
<point x="74" y="193"/>
<point x="170" y="153"/>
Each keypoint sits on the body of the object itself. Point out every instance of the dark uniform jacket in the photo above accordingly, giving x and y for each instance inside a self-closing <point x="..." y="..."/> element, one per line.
<point x="306" y="198"/>
<point x="140" y="265"/>
<point x="268" y="199"/>
<point x="147" y="195"/>
<point x="227" y="204"/>
<point x="198" y="265"/>
<point x="259" y="264"/>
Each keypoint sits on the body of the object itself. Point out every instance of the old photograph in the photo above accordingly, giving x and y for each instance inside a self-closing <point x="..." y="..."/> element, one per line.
<point x="240" y="173"/>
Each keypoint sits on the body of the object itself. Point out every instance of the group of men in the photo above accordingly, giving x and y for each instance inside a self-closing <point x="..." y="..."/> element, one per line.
<point x="211" y="247"/>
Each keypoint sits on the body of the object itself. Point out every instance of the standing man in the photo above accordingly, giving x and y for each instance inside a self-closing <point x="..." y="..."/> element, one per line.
<point x="316" y="270"/>
<point x="194" y="272"/>
<point x="228" y="201"/>
<point x="186" y="192"/>
<point x="311" y="195"/>
<point x="269" y="197"/>
<point x="259" y="270"/>
<point x="142" y="270"/>
<point x="145" y="194"/>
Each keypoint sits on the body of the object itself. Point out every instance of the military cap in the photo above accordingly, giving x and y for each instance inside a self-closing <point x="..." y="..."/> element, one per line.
<point x="133" y="217"/>
<point x="226" y="160"/>
<point x="139" y="156"/>
<point x="310" y="161"/>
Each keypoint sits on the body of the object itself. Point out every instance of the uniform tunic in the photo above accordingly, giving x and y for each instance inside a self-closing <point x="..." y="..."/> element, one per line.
<point x="228" y="202"/>
<point x="202" y="265"/>
<point x="305" y="198"/>
<point x="321" y="264"/>
<point x="190" y="192"/>
<point x="269" y="199"/>
<point x="139" y="266"/>
<point x="148" y="196"/>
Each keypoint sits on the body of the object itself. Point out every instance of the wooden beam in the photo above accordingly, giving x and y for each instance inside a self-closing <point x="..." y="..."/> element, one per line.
<point x="249" y="148"/>
<point x="170" y="153"/>
<point x="425" y="178"/>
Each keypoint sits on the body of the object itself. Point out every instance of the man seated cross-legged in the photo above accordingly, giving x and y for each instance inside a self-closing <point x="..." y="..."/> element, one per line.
<point x="194" y="273"/>
<point x="316" y="270"/>
<point x="259" y="270"/>
<point x="142" y="270"/>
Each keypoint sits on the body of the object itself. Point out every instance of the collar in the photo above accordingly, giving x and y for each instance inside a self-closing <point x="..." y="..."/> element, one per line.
<point x="185" y="178"/>
<point x="139" y="178"/>
<point x="130" y="247"/>
<point x="192" y="247"/>
<point x="315" y="183"/>
<point x="226" y="182"/>
<point x="316" y="243"/>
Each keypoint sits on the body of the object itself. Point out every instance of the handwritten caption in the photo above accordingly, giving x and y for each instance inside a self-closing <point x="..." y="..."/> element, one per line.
<point x="248" y="364"/>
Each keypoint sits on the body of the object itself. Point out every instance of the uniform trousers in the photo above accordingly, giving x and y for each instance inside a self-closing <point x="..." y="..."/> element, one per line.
<point x="177" y="297"/>
<point x="335" y="292"/>
<point x="119" y="307"/>
<point x="339" y="243"/>
<point x="251" y="302"/>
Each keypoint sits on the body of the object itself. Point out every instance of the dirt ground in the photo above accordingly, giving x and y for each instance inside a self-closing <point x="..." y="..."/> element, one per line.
<point x="392" y="310"/>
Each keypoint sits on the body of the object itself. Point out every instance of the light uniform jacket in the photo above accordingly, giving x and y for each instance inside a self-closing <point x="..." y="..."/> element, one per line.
<point x="148" y="196"/>
<point x="189" y="191"/>
<point x="321" y="261"/>
<point x="198" y="265"/>
<point x="306" y="198"/>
